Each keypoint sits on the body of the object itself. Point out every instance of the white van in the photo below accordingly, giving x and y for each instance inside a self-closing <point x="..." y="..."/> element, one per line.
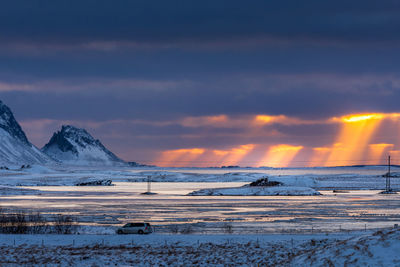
<point x="135" y="228"/>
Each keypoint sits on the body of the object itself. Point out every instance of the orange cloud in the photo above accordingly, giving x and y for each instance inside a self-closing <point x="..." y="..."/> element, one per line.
<point x="262" y="119"/>
<point x="365" y="117"/>
<point x="245" y="121"/>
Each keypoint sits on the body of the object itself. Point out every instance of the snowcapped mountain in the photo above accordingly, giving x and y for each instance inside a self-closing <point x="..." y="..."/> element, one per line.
<point x="14" y="146"/>
<point x="76" y="146"/>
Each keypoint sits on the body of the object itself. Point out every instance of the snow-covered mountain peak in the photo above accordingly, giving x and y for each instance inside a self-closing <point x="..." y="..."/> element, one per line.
<point x="74" y="131"/>
<point x="15" y="149"/>
<point x="76" y="146"/>
<point x="10" y="125"/>
<point x="79" y="136"/>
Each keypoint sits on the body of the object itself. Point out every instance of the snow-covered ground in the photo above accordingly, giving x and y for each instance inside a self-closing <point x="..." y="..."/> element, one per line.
<point x="52" y="190"/>
<point x="324" y="220"/>
<point x="257" y="191"/>
<point x="351" y="249"/>
<point x="379" y="249"/>
<point x="317" y="178"/>
<point x="56" y="186"/>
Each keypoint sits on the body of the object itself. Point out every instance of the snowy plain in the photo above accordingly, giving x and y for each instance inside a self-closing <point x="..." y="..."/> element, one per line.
<point x="349" y="178"/>
<point x="230" y="226"/>
<point x="378" y="248"/>
<point x="354" y="203"/>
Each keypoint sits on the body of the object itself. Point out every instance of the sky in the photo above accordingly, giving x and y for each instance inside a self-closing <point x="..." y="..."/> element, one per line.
<point x="209" y="83"/>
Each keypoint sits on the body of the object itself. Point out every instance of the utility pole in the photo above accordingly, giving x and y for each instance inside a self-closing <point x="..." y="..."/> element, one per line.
<point x="148" y="192"/>
<point x="148" y="184"/>
<point x="388" y="177"/>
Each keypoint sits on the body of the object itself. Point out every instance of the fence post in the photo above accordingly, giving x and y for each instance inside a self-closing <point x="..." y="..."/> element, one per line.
<point x="292" y="244"/>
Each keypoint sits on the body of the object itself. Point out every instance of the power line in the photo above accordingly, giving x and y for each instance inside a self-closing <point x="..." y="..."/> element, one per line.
<point x="294" y="163"/>
<point x="255" y="161"/>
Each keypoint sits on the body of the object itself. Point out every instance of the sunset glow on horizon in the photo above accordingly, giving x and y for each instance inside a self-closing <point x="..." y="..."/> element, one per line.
<point x="354" y="143"/>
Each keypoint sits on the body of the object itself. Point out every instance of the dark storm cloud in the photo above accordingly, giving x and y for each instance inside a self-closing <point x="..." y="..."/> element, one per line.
<point x="158" y="21"/>
<point x="312" y="97"/>
<point x="89" y="62"/>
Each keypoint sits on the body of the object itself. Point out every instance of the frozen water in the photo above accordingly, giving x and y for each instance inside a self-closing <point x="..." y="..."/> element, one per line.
<point x="54" y="192"/>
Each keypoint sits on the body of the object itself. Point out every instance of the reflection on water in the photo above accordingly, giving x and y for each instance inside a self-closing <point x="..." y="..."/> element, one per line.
<point x="124" y="202"/>
<point x="134" y="189"/>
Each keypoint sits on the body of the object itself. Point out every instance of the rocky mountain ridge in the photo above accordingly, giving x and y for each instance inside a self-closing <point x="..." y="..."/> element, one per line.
<point x="76" y="146"/>
<point x="70" y="145"/>
<point x="15" y="147"/>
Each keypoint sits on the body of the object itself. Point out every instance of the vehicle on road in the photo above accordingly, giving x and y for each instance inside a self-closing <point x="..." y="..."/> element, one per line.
<point x="135" y="228"/>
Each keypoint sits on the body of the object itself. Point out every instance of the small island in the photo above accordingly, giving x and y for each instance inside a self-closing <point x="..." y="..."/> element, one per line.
<point x="260" y="187"/>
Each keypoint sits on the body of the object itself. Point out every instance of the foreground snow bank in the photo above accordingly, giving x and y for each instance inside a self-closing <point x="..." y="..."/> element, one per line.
<point x="380" y="249"/>
<point x="257" y="191"/>
<point x="353" y="249"/>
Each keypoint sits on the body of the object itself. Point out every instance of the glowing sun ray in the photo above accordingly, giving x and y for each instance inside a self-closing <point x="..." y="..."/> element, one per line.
<point x="319" y="156"/>
<point x="237" y="154"/>
<point x="220" y="156"/>
<point x="376" y="152"/>
<point x="179" y="157"/>
<point x="280" y="155"/>
<point x="354" y="138"/>
<point x="395" y="156"/>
